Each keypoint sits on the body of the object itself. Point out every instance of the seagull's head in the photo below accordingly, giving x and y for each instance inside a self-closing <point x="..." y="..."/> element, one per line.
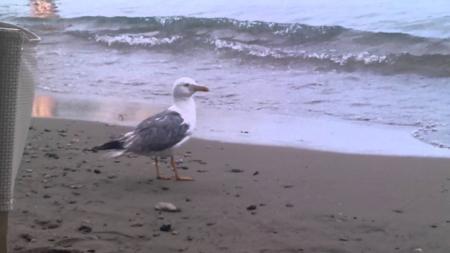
<point x="185" y="87"/>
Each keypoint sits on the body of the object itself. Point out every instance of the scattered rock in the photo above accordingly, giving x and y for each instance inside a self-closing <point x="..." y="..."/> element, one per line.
<point x="52" y="155"/>
<point x="251" y="207"/>
<point x="236" y="171"/>
<point x="85" y="229"/>
<point x="97" y="171"/>
<point x="200" y="161"/>
<point x="165" y="228"/>
<point x="48" y="224"/>
<point x="26" y="237"/>
<point x="51" y="250"/>
<point x="255" y="173"/>
<point x="75" y="186"/>
<point x="398" y="211"/>
<point x="166" y="207"/>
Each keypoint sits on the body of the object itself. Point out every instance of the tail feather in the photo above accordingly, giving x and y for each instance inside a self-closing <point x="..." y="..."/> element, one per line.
<point x="116" y="144"/>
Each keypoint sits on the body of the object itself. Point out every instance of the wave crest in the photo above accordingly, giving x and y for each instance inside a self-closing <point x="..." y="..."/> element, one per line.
<point x="325" y="47"/>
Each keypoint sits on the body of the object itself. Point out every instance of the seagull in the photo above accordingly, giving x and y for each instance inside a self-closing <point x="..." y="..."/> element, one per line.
<point x="159" y="135"/>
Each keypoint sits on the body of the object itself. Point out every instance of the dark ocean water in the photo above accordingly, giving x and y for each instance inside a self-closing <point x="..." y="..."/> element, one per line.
<point x="385" y="63"/>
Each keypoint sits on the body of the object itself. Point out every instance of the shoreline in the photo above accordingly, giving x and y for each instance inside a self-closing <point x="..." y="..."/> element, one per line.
<point x="308" y="132"/>
<point x="245" y="198"/>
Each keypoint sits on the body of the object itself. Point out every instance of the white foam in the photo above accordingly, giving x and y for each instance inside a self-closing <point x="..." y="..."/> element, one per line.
<point x="136" y="39"/>
<point x="324" y="133"/>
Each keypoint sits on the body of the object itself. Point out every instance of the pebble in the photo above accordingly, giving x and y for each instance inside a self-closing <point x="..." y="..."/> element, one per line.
<point x="166" y="207"/>
<point x="52" y="155"/>
<point x="251" y="207"/>
<point x="85" y="229"/>
<point x="165" y="228"/>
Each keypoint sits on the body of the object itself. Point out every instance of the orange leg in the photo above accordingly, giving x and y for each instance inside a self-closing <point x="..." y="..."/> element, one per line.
<point x="158" y="173"/>
<point x="177" y="176"/>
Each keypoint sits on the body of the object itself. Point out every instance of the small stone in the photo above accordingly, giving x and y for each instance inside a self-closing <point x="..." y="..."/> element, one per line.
<point x="251" y="207"/>
<point x="76" y="186"/>
<point x="165" y="228"/>
<point x="236" y="171"/>
<point x="97" y="171"/>
<point x="26" y="237"/>
<point x="255" y="173"/>
<point x="85" y="229"/>
<point x="166" y="207"/>
<point x="52" y="155"/>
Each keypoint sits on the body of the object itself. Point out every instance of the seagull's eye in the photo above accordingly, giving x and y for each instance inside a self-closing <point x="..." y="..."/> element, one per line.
<point x="186" y="85"/>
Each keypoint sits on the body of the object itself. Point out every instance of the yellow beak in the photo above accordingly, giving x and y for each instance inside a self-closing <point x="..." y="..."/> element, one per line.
<point x="200" y="88"/>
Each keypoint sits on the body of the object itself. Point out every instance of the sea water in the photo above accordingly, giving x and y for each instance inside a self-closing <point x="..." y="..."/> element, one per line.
<point x="379" y="62"/>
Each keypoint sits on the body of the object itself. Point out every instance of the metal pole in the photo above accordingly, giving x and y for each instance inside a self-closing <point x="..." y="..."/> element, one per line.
<point x="10" y="58"/>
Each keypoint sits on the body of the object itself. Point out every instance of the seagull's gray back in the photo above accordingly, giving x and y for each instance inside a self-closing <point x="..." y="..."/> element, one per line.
<point x="157" y="133"/>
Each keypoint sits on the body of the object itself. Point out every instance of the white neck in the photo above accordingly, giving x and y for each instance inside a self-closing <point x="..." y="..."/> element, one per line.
<point x="186" y="107"/>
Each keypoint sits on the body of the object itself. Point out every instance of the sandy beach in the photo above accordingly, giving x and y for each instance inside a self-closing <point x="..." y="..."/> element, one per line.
<point x="245" y="198"/>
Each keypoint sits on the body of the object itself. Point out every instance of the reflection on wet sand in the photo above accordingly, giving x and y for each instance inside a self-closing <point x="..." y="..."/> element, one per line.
<point x="104" y="110"/>
<point x="43" y="106"/>
<point x="43" y="8"/>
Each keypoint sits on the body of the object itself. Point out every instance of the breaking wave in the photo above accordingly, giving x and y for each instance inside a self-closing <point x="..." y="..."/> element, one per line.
<point x="323" y="47"/>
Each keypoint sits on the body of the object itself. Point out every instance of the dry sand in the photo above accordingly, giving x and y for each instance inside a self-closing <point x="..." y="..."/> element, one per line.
<point x="244" y="198"/>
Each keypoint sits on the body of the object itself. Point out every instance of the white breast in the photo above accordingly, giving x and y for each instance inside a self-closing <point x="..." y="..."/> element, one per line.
<point x="186" y="108"/>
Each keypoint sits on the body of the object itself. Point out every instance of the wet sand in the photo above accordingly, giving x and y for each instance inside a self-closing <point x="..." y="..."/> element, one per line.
<point x="245" y="198"/>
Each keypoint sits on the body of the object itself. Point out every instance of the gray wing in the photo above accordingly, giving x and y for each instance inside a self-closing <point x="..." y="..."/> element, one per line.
<point x="157" y="133"/>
